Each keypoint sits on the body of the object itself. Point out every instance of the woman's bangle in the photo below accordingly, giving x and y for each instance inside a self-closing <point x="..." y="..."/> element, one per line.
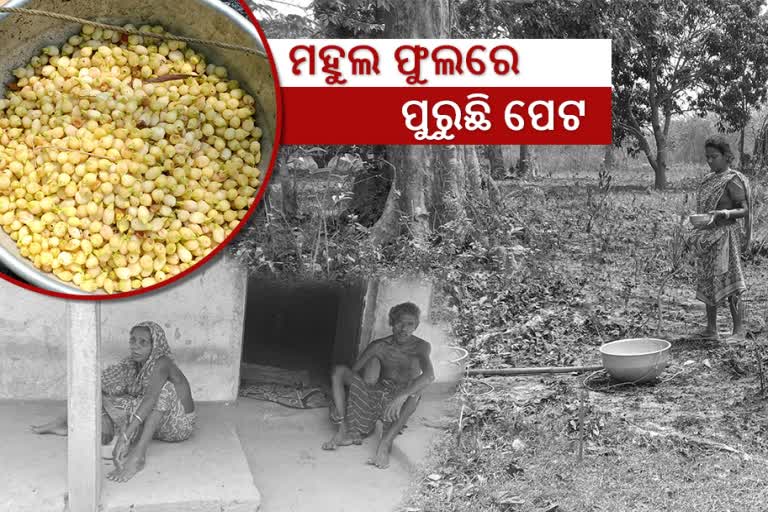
<point x="138" y="418"/>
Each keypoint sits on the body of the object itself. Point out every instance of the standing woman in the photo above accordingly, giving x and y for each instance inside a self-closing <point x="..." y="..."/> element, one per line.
<point x="725" y="194"/>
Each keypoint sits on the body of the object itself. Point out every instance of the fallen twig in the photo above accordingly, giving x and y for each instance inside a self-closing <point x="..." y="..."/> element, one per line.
<point x="761" y="373"/>
<point x="666" y="433"/>
<point x="532" y="371"/>
<point x="581" y="424"/>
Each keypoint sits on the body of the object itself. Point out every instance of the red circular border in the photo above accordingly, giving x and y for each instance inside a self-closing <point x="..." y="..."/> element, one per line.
<point x="220" y="247"/>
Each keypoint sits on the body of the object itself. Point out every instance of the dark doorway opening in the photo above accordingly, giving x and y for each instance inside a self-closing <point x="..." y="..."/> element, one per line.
<point x="296" y="332"/>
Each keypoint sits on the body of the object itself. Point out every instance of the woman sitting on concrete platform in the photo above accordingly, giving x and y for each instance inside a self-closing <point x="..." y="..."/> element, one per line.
<point x="384" y="385"/>
<point x="144" y="396"/>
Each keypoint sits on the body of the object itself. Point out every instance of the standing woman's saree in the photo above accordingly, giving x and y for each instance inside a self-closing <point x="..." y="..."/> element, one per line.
<point x="719" y="248"/>
<point x="124" y="384"/>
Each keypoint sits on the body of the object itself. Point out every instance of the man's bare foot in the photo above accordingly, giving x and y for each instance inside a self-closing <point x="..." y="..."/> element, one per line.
<point x="381" y="459"/>
<point x="132" y="465"/>
<point x="342" y="438"/>
<point x="56" y="427"/>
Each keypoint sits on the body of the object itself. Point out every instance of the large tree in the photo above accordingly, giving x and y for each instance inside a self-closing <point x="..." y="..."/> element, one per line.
<point x="732" y="85"/>
<point x="669" y="57"/>
<point x="522" y="19"/>
<point x="431" y="186"/>
<point x="666" y="56"/>
<point x="491" y="19"/>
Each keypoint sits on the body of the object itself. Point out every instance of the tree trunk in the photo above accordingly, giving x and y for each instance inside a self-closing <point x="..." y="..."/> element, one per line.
<point x="474" y="173"/>
<point x="287" y="204"/>
<point x="427" y="19"/>
<point x="450" y="205"/>
<point x="407" y="197"/>
<point x="387" y="228"/>
<point x="609" y="157"/>
<point x="496" y="160"/>
<point x="660" y="169"/>
<point x="431" y="185"/>
<point x="741" y="148"/>
<point x="527" y="163"/>
<point x="290" y="199"/>
<point x="408" y="200"/>
<point x="370" y="192"/>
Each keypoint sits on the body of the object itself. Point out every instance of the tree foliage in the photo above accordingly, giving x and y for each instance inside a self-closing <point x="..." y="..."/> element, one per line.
<point x="735" y="80"/>
<point x="277" y="25"/>
<point x="669" y="57"/>
<point x="350" y="18"/>
<point x="683" y="55"/>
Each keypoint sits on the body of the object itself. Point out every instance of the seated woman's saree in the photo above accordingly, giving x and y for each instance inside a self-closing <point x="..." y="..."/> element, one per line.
<point x="124" y="384"/>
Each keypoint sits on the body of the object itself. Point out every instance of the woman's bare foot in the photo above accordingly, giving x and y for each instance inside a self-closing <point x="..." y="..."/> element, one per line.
<point x="57" y="427"/>
<point x="121" y="449"/>
<point x="132" y="465"/>
<point x="342" y="438"/>
<point x="706" y="334"/>
<point x="381" y="459"/>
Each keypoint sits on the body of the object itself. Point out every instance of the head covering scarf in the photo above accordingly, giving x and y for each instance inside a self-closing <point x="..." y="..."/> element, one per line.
<point x="131" y="377"/>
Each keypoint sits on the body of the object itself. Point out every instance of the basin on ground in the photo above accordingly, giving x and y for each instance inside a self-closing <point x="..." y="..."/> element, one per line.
<point x="636" y="360"/>
<point x="450" y="363"/>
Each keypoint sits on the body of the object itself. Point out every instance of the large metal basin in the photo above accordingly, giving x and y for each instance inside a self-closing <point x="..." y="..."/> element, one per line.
<point x="636" y="360"/>
<point x="22" y="37"/>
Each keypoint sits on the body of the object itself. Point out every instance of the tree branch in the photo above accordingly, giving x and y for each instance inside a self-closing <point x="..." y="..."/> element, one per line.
<point x="638" y="133"/>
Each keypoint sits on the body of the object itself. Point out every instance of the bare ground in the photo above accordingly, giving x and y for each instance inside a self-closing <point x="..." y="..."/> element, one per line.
<point x="695" y="440"/>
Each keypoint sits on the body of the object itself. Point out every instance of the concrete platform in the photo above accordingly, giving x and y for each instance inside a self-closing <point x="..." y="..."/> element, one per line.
<point x="206" y="473"/>
<point x="34" y="468"/>
<point x="237" y="448"/>
<point x="294" y="474"/>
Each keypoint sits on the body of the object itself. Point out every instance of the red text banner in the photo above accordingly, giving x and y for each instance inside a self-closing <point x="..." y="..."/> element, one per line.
<point x="447" y="115"/>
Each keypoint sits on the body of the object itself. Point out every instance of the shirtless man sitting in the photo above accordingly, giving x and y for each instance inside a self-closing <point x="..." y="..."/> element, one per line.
<point x="395" y="371"/>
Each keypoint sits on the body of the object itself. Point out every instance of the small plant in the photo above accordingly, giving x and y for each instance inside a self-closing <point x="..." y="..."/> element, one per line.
<point x="604" y="185"/>
<point x="676" y="259"/>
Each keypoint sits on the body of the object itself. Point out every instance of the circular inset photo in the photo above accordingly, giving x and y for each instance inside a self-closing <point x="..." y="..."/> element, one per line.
<point x="135" y="139"/>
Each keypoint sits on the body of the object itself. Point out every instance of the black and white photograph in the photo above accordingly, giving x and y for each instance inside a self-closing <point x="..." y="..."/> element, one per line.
<point x="439" y="327"/>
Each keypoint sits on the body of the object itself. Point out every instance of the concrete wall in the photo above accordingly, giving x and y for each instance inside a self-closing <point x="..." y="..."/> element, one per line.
<point x="33" y="345"/>
<point x="202" y="316"/>
<point x="394" y="291"/>
<point x="384" y="293"/>
<point x="203" y="320"/>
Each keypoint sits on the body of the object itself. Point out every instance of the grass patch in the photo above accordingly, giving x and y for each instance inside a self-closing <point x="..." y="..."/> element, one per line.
<point x="525" y="458"/>
<point x="695" y="441"/>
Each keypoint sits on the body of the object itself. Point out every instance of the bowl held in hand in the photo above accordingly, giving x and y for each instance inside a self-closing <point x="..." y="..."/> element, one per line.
<point x="700" y="219"/>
